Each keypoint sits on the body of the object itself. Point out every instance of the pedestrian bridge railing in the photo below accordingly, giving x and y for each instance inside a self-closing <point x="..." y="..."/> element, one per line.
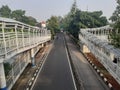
<point x="19" y="43"/>
<point x="107" y="54"/>
<point x="16" y="36"/>
<point x="100" y="32"/>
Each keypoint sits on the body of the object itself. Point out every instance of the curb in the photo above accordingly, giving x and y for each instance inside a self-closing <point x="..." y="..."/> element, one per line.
<point x="31" y="81"/>
<point x="100" y="74"/>
<point x="98" y="71"/>
<point x="75" y="75"/>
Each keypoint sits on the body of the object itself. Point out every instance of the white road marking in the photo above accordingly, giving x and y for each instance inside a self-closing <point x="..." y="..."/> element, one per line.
<point x="41" y="68"/>
<point x="70" y="66"/>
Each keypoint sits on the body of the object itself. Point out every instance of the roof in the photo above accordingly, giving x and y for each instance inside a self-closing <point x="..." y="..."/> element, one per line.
<point x="8" y="20"/>
<point x="107" y="27"/>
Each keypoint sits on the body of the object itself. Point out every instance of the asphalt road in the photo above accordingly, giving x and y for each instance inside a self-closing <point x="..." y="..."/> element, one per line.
<point x="90" y="80"/>
<point x="55" y="74"/>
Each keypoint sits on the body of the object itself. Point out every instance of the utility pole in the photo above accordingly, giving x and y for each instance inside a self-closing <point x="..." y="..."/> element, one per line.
<point x="75" y="5"/>
<point x="87" y="8"/>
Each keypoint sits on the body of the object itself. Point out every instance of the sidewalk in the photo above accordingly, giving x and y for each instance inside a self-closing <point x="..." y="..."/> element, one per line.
<point x="27" y="74"/>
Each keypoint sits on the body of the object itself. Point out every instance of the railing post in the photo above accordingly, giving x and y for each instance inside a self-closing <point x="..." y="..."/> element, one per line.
<point x="3" y="33"/>
<point x="9" y="41"/>
<point x="16" y="36"/>
<point x="29" y="35"/>
<point x="23" y="36"/>
<point x="39" y="34"/>
<point x="33" y="36"/>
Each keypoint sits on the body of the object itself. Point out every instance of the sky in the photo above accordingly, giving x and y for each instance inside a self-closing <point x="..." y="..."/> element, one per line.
<point x="44" y="9"/>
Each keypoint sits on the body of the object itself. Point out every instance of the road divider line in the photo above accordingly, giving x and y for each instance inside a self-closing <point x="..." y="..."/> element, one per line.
<point x="70" y="65"/>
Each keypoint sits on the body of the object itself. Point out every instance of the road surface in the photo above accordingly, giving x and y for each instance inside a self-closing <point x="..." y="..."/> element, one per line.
<point x="55" y="73"/>
<point x="86" y="74"/>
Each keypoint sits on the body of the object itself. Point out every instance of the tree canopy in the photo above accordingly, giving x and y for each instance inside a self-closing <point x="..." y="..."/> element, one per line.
<point x="53" y="25"/>
<point x="77" y="19"/>
<point x="18" y="15"/>
<point x="115" y="18"/>
<point x="5" y="11"/>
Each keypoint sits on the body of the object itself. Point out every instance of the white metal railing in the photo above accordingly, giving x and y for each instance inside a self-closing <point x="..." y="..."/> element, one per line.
<point x="102" y="51"/>
<point x="15" y="36"/>
<point x="101" y="32"/>
<point x="16" y="42"/>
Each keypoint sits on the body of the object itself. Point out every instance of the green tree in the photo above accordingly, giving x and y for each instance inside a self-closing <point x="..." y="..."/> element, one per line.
<point x="77" y="19"/>
<point x="29" y="20"/>
<point x="53" y="25"/>
<point x="5" y="11"/>
<point x="115" y="18"/>
<point x="60" y="22"/>
<point x="70" y="21"/>
<point x="98" y="19"/>
<point x="18" y="15"/>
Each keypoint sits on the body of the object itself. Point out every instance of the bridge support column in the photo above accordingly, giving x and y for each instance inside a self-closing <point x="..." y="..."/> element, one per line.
<point x="85" y="49"/>
<point x="32" y="57"/>
<point x="33" y="61"/>
<point x="42" y="45"/>
<point x="2" y="78"/>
